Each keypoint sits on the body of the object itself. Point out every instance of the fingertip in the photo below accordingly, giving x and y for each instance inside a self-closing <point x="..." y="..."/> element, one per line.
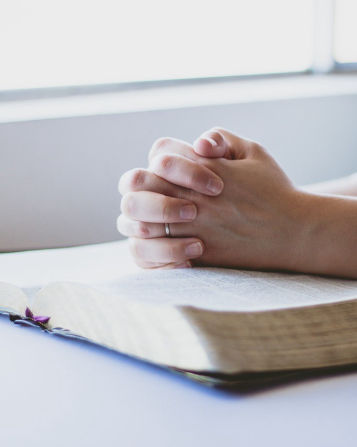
<point x="208" y="147"/>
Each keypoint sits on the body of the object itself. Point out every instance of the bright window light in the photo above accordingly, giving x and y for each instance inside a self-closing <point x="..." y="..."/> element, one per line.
<point x="45" y="43"/>
<point x="346" y="31"/>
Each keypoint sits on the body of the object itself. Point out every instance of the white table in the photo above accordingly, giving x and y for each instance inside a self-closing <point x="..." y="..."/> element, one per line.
<point x="57" y="392"/>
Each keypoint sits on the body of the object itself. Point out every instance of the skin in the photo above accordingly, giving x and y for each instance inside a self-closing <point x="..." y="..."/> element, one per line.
<point x="255" y="218"/>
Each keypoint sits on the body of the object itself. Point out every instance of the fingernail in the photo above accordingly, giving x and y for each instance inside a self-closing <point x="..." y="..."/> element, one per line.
<point x="194" y="249"/>
<point x="214" y="185"/>
<point x="188" y="212"/>
<point x="184" y="265"/>
<point x="211" y="140"/>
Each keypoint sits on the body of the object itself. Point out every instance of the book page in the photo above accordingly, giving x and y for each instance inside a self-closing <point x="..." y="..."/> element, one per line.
<point x="12" y="299"/>
<point x="160" y="334"/>
<point x="98" y="262"/>
<point x="156" y="315"/>
<point x="231" y="290"/>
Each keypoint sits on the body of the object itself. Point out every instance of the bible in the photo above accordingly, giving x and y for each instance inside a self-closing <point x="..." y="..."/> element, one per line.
<point x="216" y="326"/>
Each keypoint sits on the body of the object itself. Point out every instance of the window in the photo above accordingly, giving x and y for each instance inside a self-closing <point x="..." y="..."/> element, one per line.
<point x="345" y="48"/>
<point x="56" y="43"/>
<point x="70" y="42"/>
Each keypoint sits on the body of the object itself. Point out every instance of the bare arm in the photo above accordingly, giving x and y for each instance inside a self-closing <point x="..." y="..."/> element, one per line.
<point x="345" y="186"/>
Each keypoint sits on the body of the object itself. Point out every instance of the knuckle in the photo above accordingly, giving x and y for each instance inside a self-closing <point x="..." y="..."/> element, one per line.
<point x="132" y="180"/>
<point x="162" y="142"/>
<point x="143" y="230"/>
<point x="161" y="164"/>
<point x="158" y="145"/>
<point x="137" y="179"/>
<point x="164" y="163"/>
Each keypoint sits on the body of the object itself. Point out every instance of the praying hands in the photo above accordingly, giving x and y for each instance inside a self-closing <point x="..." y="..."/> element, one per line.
<point x="224" y="201"/>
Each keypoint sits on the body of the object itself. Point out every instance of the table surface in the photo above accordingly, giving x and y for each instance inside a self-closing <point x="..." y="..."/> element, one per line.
<point x="59" y="392"/>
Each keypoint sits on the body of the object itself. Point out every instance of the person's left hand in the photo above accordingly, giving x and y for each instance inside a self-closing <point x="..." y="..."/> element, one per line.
<point x="149" y="201"/>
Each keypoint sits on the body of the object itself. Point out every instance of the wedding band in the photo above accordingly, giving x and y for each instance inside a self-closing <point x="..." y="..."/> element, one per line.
<point x="167" y="230"/>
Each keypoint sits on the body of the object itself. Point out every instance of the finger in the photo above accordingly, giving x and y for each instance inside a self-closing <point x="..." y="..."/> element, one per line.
<point x="219" y="142"/>
<point x="166" y="250"/>
<point x="147" y="230"/>
<point x="144" y="180"/>
<point x="135" y="228"/>
<point x="153" y="207"/>
<point x="187" y="173"/>
<point x="166" y="145"/>
<point x="211" y="144"/>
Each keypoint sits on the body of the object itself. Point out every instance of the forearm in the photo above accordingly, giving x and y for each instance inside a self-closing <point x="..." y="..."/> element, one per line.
<point x="329" y="236"/>
<point x="346" y="186"/>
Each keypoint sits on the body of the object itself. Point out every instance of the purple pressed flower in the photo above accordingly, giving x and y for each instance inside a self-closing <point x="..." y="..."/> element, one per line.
<point x="28" y="313"/>
<point x="42" y="319"/>
<point x="38" y="319"/>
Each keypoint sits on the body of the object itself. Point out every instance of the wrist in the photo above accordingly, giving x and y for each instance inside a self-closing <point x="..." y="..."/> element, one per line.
<point x="326" y="238"/>
<point x="305" y="229"/>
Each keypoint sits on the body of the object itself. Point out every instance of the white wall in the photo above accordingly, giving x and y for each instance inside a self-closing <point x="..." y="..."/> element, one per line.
<point x="58" y="182"/>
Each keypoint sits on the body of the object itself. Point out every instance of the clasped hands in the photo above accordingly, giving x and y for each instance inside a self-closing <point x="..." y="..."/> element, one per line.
<point x="227" y="201"/>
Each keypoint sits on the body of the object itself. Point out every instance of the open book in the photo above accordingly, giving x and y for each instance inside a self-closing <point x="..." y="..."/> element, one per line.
<point x="205" y="322"/>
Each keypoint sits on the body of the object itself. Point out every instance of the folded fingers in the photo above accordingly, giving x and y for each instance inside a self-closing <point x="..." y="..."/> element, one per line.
<point x="211" y="144"/>
<point x="150" y="206"/>
<point x="143" y="180"/>
<point x="172" y="175"/>
<point x="163" y="251"/>
<point x="167" y="145"/>
<point x="186" y="173"/>
<point x="176" y="161"/>
<point x="147" y="230"/>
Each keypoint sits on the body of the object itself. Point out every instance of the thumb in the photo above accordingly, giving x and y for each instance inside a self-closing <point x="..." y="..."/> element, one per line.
<point x="220" y="143"/>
